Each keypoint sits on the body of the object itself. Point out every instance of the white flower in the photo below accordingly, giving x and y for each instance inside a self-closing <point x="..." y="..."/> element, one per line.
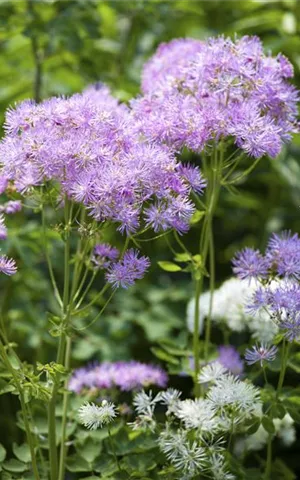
<point x="211" y="372"/>
<point x="229" y="391"/>
<point x="185" y="456"/>
<point x="198" y="414"/>
<point x="144" y="403"/>
<point x="93" y="416"/>
<point x="170" y="397"/>
<point x="218" y="468"/>
<point x="228" y="305"/>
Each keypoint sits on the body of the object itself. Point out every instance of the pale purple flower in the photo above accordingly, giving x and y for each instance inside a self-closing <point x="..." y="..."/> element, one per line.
<point x="167" y="62"/>
<point x="261" y="354"/>
<point x="104" y="254"/>
<point x="197" y="92"/>
<point x="126" y="376"/>
<point x="126" y="271"/>
<point x="89" y="145"/>
<point x="283" y="253"/>
<point x="3" y="183"/>
<point x="11" y="207"/>
<point x="7" y="265"/>
<point x="230" y="358"/>
<point x="249" y="264"/>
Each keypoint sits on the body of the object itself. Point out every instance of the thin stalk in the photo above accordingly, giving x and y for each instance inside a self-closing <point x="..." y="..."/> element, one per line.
<point x="63" y="446"/>
<point x="48" y="259"/>
<point x="61" y="348"/>
<point x="205" y="244"/>
<point x="285" y="355"/>
<point x="267" y="475"/>
<point x="86" y="290"/>
<point x="211" y="295"/>
<point x="98" y="315"/>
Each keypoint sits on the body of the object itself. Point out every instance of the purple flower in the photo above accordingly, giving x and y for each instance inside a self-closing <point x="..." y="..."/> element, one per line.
<point x="104" y="255"/>
<point x="3" y="229"/>
<point x="13" y="206"/>
<point x="127" y="376"/>
<point x="260" y="354"/>
<point x="90" y="146"/>
<point x="7" y="265"/>
<point x="196" y="92"/>
<point x="3" y="183"/>
<point x="249" y="264"/>
<point x="230" y="358"/>
<point x="283" y="253"/>
<point x="129" y="269"/>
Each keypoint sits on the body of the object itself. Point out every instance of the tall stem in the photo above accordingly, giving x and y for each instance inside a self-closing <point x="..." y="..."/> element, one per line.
<point x="61" y="349"/>
<point x="206" y="243"/>
<point x="63" y="447"/>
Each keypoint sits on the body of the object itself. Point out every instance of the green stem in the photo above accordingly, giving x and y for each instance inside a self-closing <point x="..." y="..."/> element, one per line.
<point x="61" y="348"/>
<point x="24" y="410"/>
<point x="285" y="356"/>
<point x="63" y="446"/>
<point x="267" y="475"/>
<point x="211" y="295"/>
<point x="50" y="268"/>
<point x="213" y="174"/>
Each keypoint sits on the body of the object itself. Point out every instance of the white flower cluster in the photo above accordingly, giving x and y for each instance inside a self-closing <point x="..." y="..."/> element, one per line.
<point x="93" y="416"/>
<point x="195" y="444"/>
<point x="228" y="308"/>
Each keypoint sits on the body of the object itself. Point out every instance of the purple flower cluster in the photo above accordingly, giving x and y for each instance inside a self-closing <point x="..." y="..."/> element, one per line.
<point x="282" y="258"/>
<point x="89" y="144"/>
<point x="279" y="273"/>
<point x="129" y="269"/>
<point x="126" y="376"/>
<point x="198" y="92"/>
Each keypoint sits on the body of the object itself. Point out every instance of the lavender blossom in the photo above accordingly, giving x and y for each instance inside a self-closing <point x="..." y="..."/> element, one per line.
<point x="11" y="207"/>
<point x="89" y="145"/>
<point x="124" y="375"/>
<point x="129" y="269"/>
<point x="249" y="264"/>
<point x="230" y="359"/>
<point x="196" y="92"/>
<point x="261" y="354"/>
<point x="7" y="265"/>
<point x="104" y="254"/>
<point x="283" y="253"/>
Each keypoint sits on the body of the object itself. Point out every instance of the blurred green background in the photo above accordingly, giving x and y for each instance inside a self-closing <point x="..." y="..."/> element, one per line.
<point x="59" y="47"/>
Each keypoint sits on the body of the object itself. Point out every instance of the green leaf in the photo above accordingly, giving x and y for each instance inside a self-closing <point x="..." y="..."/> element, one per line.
<point x="254" y="427"/>
<point x="139" y="463"/>
<point x="106" y="466"/>
<point x="268" y="424"/>
<point x="90" y="450"/>
<point x="183" y="257"/>
<point x="162" y="355"/>
<point x="22" y="452"/>
<point x="75" y="463"/>
<point x="197" y="216"/>
<point x="2" y="453"/>
<point x="14" y="465"/>
<point x="169" y="266"/>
